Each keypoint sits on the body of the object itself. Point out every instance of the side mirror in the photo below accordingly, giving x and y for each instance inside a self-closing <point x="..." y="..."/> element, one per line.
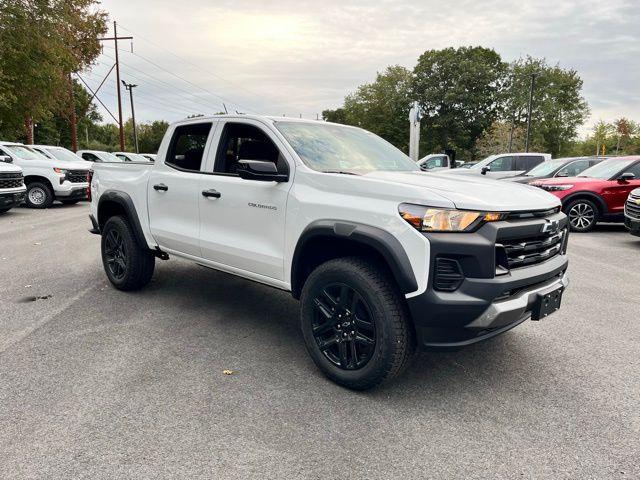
<point x="261" y="170"/>
<point x="6" y="159"/>
<point x="485" y="170"/>
<point x="562" y="174"/>
<point x="626" y="176"/>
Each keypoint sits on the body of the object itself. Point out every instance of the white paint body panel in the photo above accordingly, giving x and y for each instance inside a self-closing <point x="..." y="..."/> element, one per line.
<point x="231" y="235"/>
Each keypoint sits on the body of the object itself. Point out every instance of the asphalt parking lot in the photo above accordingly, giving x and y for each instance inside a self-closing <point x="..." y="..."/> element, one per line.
<point x="96" y="383"/>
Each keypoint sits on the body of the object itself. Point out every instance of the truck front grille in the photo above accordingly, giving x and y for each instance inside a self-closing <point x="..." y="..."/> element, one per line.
<point x="632" y="207"/>
<point x="11" y="180"/>
<point x="77" y="176"/>
<point x="532" y="250"/>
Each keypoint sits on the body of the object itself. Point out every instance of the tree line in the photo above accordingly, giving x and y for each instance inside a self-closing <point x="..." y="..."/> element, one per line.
<point x="472" y="101"/>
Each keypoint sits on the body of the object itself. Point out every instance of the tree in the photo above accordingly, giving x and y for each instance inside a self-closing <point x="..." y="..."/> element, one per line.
<point x="41" y="43"/>
<point x="457" y="90"/>
<point x="558" y="108"/>
<point x="381" y="107"/>
<point x="336" y="116"/>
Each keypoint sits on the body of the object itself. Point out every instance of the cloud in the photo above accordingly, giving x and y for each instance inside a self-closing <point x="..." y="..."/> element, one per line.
<point x="300" y="57"/>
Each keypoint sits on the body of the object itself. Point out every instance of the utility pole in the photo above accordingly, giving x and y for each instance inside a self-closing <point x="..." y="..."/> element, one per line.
<point x="73" y="119"/>
<point x="533" y="82"/>
<point x="115" y="38"/>
<point x="414" y="131"/>
<point x="129" y="87"/>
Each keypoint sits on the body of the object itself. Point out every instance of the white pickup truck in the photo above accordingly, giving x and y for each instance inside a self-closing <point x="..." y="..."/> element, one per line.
<point x="12" y="189"/>
<point x="48" y="178"/>
<point x="383" y="257"/>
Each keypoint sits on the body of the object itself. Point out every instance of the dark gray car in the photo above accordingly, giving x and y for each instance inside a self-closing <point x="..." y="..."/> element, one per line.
<point x="559" y="167"/>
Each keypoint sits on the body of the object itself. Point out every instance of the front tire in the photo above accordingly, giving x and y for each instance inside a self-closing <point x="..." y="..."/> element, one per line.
<point x="127" y="265"/>
<point x="355" y="323"/>
<point x="39" y="195"/>
<point x="583" y="215"/>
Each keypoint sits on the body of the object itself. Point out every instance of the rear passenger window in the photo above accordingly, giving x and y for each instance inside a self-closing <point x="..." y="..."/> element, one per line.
<point x="527" y="163"/>
<point x="187" y="146"/>
<point x="90" y="157"/>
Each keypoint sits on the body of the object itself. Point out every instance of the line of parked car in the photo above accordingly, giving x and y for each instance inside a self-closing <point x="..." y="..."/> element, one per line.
<point x="37" y="175"/>
<point x="591" y="189"/>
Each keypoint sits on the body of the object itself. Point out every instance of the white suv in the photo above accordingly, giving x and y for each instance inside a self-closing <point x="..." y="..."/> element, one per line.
<point x="504" y="165"/>
<point x="48" y="179"/>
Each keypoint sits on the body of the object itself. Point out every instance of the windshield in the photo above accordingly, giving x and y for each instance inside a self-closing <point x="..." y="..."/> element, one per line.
<point x="24" y="153"/>
<point x="334" y="148"/>
<point x="545" y="168"/>
<point x="64" y="155"/>
<point x="607" y="169"/>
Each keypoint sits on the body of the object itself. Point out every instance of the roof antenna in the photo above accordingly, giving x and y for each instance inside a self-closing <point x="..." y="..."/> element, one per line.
<point x="225" y="108"/>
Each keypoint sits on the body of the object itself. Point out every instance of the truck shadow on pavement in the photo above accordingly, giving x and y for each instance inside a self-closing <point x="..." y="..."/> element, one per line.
<point x="237" y="315"/>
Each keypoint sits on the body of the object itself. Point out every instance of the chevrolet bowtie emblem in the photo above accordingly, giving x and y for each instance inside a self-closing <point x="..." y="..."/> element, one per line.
<point x="638" y="201"/>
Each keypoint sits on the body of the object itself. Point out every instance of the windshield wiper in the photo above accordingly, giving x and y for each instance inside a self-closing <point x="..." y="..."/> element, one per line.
<point x="339" y="171"/>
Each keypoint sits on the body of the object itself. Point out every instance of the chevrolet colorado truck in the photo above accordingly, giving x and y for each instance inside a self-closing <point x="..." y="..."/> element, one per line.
<point x="12" y="189"/>
<point x="384" y="258"/>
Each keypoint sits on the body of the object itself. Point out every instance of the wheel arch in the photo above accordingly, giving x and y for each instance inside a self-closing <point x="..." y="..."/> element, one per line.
<point x="600" y="203"/>
<point x="112" y="203"/>
<point x="324" y="240"/>
<point x="28" y="179"/>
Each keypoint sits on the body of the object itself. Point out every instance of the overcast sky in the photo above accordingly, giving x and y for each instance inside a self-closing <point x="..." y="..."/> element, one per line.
<point x="300" y="57"/>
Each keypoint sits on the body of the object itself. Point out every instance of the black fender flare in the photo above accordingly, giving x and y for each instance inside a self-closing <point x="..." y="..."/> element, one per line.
<point x="123" y="200"/>
<point x="602" y="205"/>
<point x="383" y="242"/>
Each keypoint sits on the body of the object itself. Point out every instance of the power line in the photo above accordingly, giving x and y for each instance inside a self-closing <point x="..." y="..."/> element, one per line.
<point x="199" y="67"/>
<point x="173" y="88"/>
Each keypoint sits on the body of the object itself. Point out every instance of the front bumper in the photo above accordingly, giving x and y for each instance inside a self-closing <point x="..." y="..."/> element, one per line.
<point x="76" y="191"/>
<point x="632" y="225"/>
<point x="486" y="303"/>
<point x="12" y="199"/>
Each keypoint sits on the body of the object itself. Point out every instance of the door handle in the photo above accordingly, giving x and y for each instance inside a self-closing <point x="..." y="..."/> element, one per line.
<point x="211" y="193"/>
<point x="160" y="187"/>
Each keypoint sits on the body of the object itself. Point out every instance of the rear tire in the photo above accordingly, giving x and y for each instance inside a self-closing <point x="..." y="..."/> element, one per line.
<point x="127" y="265"/>
<point x="39" y="195"/>
<point x="371" y="315"/>
<point x="583" y="215"/>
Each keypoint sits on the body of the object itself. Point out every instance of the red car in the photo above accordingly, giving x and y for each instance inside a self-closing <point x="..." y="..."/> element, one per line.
<point x="597" y="194"/>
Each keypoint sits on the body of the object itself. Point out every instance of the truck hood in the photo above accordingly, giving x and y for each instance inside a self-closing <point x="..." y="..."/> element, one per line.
<point x="9" y="168"/>
<point x="475" y="192"/>
<point x="79" y="165"/>
<point x="565" y="180"/>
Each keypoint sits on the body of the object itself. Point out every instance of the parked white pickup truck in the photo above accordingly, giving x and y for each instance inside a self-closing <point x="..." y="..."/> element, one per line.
<point x="48" y="179"/>
<point x="382" y="256"/>
<point x="12" y="189"/>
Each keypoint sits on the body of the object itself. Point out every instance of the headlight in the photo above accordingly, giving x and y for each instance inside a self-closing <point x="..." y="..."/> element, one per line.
<point x="60" y="171"/>
<point x="555" y="188"/>
<point x="430" y="219"/>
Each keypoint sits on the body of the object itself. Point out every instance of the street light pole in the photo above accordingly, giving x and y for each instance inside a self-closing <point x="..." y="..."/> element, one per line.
<point x="533" y="81"/>
<point x="130" y="87"/>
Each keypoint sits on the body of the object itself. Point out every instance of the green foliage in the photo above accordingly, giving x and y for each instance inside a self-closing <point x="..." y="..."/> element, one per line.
<point x="458" y="91"/>
<point x="471" y="101"/>
<point x="620" y="137"/>
<point x="41" y="43"/>
<point x="558" y="108"/>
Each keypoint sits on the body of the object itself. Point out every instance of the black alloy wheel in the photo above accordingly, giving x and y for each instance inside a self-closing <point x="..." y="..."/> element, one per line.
<point x="343" y="326"/>
<point x="115" y="254"/>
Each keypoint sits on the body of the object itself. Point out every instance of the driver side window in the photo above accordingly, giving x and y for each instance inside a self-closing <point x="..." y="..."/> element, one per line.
<point x="240" y="141"/>
<point x="502" y="164"/>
